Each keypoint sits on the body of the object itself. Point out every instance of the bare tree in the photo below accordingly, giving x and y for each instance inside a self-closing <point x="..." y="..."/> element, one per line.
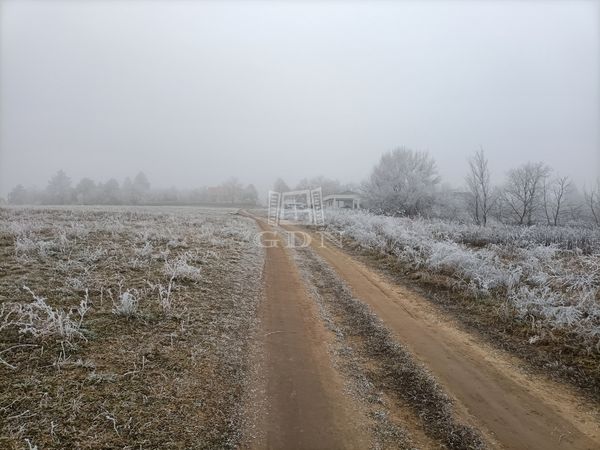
<point x="328" y="185"/>
<point x="554" y="195"/>
<point x="522" y="191"/>
<point x="233" y="190"/>
<point x="478" y="182"/>
<point x="592" y="200"/>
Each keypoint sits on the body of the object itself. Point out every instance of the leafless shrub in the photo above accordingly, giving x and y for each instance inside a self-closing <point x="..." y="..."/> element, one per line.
<point x="165" y="297"/>
<point x="127" y="304"/>
<point x="181" y="269"/>
<point x="145" y="251"/>
<point x="40" y="320"/>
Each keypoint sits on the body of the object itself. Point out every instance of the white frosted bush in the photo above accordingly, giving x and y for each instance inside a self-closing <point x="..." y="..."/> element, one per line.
<point x="181" y="269"/>
<point x="541" y="270"/>
<point x="165" y="294"/>
<point x="41" y="320"/>
<point x="126" y="305"/>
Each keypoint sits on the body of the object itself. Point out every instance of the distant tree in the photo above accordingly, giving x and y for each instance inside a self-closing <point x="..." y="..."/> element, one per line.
<point x="250" y="195"/>
<point x="141" y="187"/>
<point x="304" y="183"/>
<point x="481" y="199"/>
<point x="232" y="190"/>
<point x="85" y="191"/>
<point x="449" y="204"/>
<point x="555" y="194"/>
<point x="328" y="185"/>
<point x="523" y="191"/>
<point x="126" y="192"/>
<point x="198" y="195"/>
<point x="280" y="186"/>
<point x="59" y="190"/>
<point x="575" y="206"/>
<point x="592" y="200"/>
<point x="18" y="196"/>
<point x="403" y="182"/>
<point x="110" y="192"/>
<point x="141" y="182"/>
<point x="169" y="195"/>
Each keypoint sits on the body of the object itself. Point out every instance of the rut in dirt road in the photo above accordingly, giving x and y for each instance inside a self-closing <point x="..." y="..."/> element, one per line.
<point x="512" y="410"/>
<point x="305" y="405"/>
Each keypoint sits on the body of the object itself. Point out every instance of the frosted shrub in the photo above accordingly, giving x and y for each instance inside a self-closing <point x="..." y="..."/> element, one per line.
<point x="176" y="243"/>
<point x="28" y="246"/>
<point x="145" y="251"/>
<point x="165" y="298"/>
<point x="74" y="283"/>
<point x="24" y="246"/>
<point x="127" y="304"/>
<point x="62" y="242"/>
<point x="77" y="230"/>
<point x="181" y="269"/>
<point x="41" y="320"/>
<point x="90" y="256"/>
<point x="532" y="267"/>
<point x="235" y="230"/>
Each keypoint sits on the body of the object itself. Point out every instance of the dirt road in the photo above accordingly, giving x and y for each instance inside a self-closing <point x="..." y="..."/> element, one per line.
<point x="305" y="405"/>
<point x="514" y="410"/>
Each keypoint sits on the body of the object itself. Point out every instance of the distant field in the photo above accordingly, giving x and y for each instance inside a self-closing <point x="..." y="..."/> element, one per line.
<point x="124" y="326"/>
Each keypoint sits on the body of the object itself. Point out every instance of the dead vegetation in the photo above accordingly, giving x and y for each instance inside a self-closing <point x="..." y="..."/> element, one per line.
<point x="124" y="328"/>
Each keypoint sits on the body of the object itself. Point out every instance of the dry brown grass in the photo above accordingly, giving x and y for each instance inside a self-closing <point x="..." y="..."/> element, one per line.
<point x="160" y="377"/>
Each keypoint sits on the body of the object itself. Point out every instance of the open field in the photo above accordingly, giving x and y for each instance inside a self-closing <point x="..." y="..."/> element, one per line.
<point x="125" y="328"/>
<point x="174" y="328"/>
<point x="300" y="225"/>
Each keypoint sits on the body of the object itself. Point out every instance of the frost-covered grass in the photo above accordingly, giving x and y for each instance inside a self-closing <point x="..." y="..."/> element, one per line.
<point x="544" y="275"/>
<point x="158" y="303"/>
<point x="40" y="320"/>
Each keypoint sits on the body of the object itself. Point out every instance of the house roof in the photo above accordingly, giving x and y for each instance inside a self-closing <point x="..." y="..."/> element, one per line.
<point x="341" y="195"/>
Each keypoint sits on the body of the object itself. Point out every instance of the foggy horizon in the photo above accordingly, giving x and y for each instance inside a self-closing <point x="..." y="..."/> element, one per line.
<point x="300" y="224"/>
<point x="195" y="93"/>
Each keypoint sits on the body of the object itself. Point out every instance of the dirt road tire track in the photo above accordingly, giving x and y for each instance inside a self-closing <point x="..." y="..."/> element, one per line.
<point x="305" y="405"/>
<point x="514" y="412"/>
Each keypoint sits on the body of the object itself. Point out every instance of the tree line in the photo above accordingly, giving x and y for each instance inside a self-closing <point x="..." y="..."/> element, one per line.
<point x="137" y="191"/>
<point x="406" y="182"/>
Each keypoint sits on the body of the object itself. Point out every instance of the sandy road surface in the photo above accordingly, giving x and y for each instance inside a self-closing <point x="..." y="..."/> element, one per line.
<point x="305" y="405"/>
<point x="512" y="409"/>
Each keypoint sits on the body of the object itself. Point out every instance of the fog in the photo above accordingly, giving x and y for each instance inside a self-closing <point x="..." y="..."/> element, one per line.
<point x="193" y="93"/>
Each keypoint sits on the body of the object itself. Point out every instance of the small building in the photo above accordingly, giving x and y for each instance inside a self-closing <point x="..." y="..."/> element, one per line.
<point x="347" y="200"/>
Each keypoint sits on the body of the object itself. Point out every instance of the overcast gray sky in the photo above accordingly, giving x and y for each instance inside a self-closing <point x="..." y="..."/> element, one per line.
<point x="195" y="92"/>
